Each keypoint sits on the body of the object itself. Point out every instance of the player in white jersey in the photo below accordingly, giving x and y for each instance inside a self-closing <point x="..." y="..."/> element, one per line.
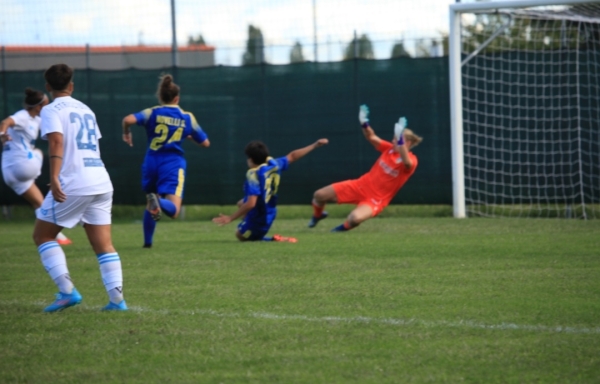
<point x="80" y="191"/>
<point x="21" y="161"/>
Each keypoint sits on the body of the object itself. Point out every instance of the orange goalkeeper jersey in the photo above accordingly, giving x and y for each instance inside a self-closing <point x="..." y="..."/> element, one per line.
<point x="388" y="174"/>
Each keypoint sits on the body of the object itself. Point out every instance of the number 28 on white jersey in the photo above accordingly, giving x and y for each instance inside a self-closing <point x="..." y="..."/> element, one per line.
<point x="83" y="172"/>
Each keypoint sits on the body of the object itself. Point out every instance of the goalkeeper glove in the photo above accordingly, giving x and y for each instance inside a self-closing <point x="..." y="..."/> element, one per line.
<point x="399" y="129"/>
<point x="363" y="116"/>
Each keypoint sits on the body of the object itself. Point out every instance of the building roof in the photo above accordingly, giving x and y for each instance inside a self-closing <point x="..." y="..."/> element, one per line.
<point x="103" y="49"/>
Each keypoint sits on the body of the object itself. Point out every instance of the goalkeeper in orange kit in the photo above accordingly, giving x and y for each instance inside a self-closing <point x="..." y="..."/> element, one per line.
<point x="374" y="190"/>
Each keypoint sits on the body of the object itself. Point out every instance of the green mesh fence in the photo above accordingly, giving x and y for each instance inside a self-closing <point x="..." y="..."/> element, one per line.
<point x="286" y="106"/>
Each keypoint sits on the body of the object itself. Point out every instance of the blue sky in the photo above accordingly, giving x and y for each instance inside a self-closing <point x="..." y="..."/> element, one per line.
<point x="223" y="23"/>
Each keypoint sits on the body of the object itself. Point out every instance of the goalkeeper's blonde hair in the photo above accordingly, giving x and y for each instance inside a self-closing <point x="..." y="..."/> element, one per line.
<point x="414" y="138"/>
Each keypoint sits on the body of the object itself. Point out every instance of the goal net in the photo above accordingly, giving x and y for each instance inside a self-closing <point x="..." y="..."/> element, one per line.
<point x="529" y="110"/>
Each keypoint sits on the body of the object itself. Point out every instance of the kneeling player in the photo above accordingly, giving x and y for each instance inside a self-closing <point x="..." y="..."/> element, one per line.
<point x="259" y="205"/>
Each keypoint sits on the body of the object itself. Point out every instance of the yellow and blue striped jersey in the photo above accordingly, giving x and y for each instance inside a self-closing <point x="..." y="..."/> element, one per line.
<point x="263" y="182"/>
<point x="167" y="126"/>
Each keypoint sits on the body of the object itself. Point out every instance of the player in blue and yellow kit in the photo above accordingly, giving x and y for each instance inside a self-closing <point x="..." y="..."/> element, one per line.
<point x="163" y="171"/>
<point x="259" y="205"/>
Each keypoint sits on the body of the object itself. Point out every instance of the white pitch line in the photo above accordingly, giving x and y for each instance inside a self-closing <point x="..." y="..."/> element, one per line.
<point x="387" y="321"/>
<point x="360" y="319"/>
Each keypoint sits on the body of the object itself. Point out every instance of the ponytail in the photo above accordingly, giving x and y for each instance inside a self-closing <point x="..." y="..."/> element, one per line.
<point x="167" y="89"/>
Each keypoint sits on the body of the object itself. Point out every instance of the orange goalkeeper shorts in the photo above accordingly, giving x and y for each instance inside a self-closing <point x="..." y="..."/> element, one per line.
<point x="354" y="192"/>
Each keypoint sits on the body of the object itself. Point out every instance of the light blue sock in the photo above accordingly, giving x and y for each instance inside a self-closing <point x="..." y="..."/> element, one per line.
<point x="112" y="275"/>
<point x="54" y="261"/>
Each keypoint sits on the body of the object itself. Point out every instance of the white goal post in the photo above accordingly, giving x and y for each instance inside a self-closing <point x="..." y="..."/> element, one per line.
<point x="525" y="113"/>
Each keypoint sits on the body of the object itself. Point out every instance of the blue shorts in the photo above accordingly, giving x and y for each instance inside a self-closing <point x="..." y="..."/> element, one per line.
<point x="251" y="231"/>
<point x="164" y="174"/>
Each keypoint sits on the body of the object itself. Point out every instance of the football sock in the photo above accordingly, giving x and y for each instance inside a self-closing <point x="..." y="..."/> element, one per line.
<point x="267" y="239"/>
<point x="342" y="227"/>
<point x="112" y="275"/>
<point x="115" y="295"/>
<point x="167" y="207"/>
<point x="149" y="227"/>
<point x="64" y="283"/>
<point x="54" y="261"/>
<point x="317" y="210"/>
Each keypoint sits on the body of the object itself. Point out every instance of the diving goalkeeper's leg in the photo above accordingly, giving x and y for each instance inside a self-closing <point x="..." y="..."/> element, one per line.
<point x="355" y="218"/>
<point x="321" y="196"/>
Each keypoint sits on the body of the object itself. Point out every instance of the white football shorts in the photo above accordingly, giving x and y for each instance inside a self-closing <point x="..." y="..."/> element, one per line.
<point x="94" y="209"/>
<point x="20" y="176"/>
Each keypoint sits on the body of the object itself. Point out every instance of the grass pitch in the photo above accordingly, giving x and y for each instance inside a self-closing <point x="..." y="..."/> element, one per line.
<point x="398" y="300"/>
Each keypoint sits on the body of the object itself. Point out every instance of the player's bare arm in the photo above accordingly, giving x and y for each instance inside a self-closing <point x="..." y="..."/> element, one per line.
<point x="243" y="209"/>
<point x="56" y="150"/>
<point x="4" y="125"/>
<point x="371" y="137"/>
<point x="128" y="121"/>
<point x="301" y="152"/>
<point x="204" y="144"/>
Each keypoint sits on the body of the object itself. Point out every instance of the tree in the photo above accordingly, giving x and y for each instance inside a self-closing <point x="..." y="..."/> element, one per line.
<point x="255" y="47"/>
<point x="363" y="47"/>
<point x="422" y="49"/>
<point x="196" y="41"/>
<point x="398" y="50"/>
<point x="437" y="48"/>
<point x="445" y="43"/>
<point x="296" y="55"/>
<point x="525" y="33"/>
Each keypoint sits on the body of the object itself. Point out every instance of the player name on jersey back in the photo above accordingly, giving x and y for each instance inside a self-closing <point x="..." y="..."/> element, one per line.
<point x="173" y="121"/>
